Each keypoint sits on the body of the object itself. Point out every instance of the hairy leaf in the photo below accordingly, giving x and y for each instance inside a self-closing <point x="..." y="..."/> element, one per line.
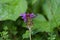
<point x="11" y="9"/>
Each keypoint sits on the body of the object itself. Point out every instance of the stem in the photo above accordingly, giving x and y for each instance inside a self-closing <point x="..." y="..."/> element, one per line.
<point x="30" y="32"/>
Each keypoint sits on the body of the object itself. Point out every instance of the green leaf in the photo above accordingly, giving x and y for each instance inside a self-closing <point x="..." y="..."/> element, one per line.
<point x="26" y="34"/>
<point x="10" y="26"/>
<point x="5" y="1"/>
<point x="1" y="38"/>
<point x="40" y="24"/>
<point x="34" y="1"/>
<point x="37" y="7"/>
<point x="5" y="28"/>
<point x="4" y="33"/>
<point x="11" y="9"/>
<point x="52" y="37"/>
<point x="36" y="38"/>
<point x="51" y="9"/>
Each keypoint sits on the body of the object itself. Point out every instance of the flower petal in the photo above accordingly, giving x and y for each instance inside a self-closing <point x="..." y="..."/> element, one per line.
<point x="32" y="15"/>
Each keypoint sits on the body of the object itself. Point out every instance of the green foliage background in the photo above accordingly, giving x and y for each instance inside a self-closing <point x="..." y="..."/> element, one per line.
<point x="46" y="24"/>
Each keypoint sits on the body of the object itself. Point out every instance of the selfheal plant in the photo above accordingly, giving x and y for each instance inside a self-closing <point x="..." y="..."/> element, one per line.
<point x="27" y="17"/>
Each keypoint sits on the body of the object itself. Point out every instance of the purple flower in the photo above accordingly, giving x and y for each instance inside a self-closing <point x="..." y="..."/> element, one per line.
<point x="24" y="16"/>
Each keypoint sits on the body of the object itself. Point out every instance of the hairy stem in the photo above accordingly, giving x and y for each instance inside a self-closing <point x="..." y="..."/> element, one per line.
<point x="30" y="32"/>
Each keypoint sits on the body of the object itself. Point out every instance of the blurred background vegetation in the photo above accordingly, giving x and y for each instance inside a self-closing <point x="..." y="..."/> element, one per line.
<point x="46" y="24"/>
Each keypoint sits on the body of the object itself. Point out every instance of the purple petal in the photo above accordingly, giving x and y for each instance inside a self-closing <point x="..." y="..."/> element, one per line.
<point x="32" y="15"/>
<point x="23" y="14"/>
<point x="25" y="20"/>
<point x="23" y="17"/>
